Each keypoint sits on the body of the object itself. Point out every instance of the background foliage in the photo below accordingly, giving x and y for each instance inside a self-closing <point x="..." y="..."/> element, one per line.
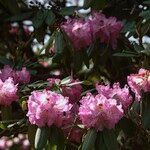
<point x="46" y="52"/>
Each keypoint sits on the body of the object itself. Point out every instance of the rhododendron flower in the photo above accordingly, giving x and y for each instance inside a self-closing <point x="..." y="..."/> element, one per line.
<point x="107" y="29"/>
<point x="79" y="32"/>
<point x="22" y="76"/>
<point x="53" y="81"/>
<point x="8" y="92"/>
<point x="74" y="134"/>
<point x="83" y="32"/>
<point x="99" y="112"/>
<point x="48" y="108"/>
<point x="7" y="72"/>
<point x="73" y="92"/>
<point x="122" y="95"/>
<point x="71" y="132"/>
<point x="139" y="82"/>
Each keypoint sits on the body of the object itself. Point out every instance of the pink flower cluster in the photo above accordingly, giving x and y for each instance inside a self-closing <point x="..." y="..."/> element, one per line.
<point x="73" y="91"/>
<point x="83" y="32"/>
<point x="100" y="112"/>
<point x="106" y="108"/>
<point x="8" y="92"/>
<point x="48" y="108"/>
<point x="139" y="82"/>
<point x="122" y="95"/>
<point x="21" y="77"/>
<point x="20" y="142"/>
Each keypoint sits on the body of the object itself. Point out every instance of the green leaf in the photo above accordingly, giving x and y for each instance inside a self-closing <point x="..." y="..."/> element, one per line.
<point x="41" y="138"/>
<point x="56" y="141"/>
<point x="89" y="141"/>
<point x="11" y="5"/>
<point x="31" y="134"/>
<point x="5" y="61"/>
<point x="129" y="26"/>
<point x="86" y="82"/>
<point x="145" y="14"/>
<point x="50" y="19"/>
<point x="146" y="110"/>
<point x="69" y="10"/>
<point x="59" y="42"/>
<point x="96" y="4"/>
<point x="125" y="55"/>
<point x="100" y="144"/>
<point x="39" y="18"/>
<point x="128" y="126"/>
<point x="66" y="80"/>
<point x="147" y="2"/>
<point x="86" y="59"/>
<point x="20" y="17"/>
<point x="6" y="112"/>
<point x="138" y="48"/>
<point x="110" y="139"/>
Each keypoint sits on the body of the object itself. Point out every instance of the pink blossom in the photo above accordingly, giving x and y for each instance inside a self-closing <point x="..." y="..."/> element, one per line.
<point x="53" y="81"/>
<point x="7" y="72"/>
<point x="23" y="76"/>
<point x="70" y="130"/>
<point x="99" y="112"/>
<point x="8" y="92"/>
<point x="122" y="95"/>
<point x="74" y="134"/>
<point x="139" y="82"/>
<point x="79" y="32"/>
<point x="2" y="143"/>
<point x="48" y="108"/>
<point x="83" y="32"/>
<point x="73" y="92"/>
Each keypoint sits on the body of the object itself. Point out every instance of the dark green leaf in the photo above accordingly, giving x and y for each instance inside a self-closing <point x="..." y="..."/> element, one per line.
<point x="50" y="19"/>
<point x="146" y="110"/>
<point x="125" y="55"/>
<point x="5" y="61"/>
<point x="138" y="48"/>
<point x="100" y="144"/>
<point x="129" y="26"/>
<point x="31" y="134"/>
<point x="41" y="138"/>
<point x="128" y="126"/>
<point x="39" y="18"/>
<point x="11" y="5"/>
<point x="86" y="59"/>
<point x="89" y="141"/>
<point x="147" y="2"/>
<point x="56" y="141"/>
<point x="20" y="17"/>
<point x="59" y="42"/>
<point x="69" y="10"/>
<point x="66" y="80"/>
<point x="110" y="139"/>
<point x="6" y="112"/>
<point x="96" y="4"/>
<point x="145" y="14"/>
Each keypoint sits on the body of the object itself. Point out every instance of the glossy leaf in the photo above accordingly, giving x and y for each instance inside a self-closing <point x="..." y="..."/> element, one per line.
<point x="110" y="139"/>
<point x="89" y="141"/>
<point x="56" y="141"/>
<point x="50" y="19"/>
<point x="59" y="42"/>
<point x="41" y="138"/>
<point x="146" y="110"/>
